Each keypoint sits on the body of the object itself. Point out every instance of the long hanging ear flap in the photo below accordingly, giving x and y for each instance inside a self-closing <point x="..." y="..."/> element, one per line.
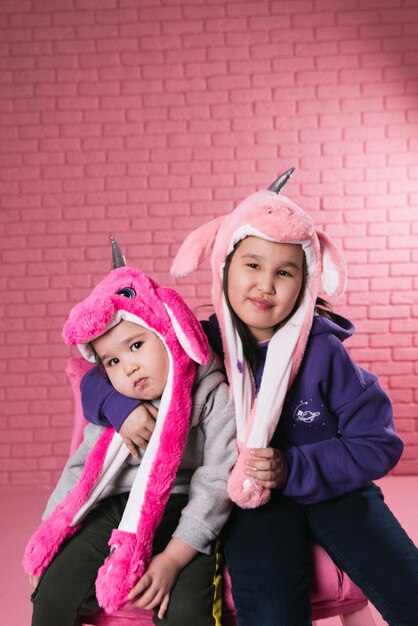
<point x="188" y="330"/>
<point x="195" y="248"/>
<point x="334" y="267"/>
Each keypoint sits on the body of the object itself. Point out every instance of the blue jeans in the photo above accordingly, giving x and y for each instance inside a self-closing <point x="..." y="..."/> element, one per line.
<point x="267" y="552"/>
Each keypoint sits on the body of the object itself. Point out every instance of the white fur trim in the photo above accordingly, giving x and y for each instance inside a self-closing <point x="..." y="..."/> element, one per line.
<point x="257" y="431"/>
<point x="275" y="380"/>
<point x="116" y="454"/>
<point x="133" y="508"/>
<point x="240" y="381"/>
<point x="86" y="349"/>
<point x="247" y="231"/>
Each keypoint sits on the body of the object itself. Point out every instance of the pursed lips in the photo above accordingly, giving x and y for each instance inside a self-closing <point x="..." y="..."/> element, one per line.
<point x="262" y="304"/>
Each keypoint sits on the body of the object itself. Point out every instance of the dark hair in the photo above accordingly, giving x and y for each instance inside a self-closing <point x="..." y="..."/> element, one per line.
<point x="323" y="307"/>
<point x="249" y="345"/>
<point x="97" y="359"/>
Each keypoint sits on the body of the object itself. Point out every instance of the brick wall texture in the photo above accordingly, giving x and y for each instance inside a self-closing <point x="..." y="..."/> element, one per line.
<point x="145" y="118"/>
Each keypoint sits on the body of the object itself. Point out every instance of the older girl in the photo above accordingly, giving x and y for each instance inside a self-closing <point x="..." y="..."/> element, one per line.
<point x="314" y="428"/>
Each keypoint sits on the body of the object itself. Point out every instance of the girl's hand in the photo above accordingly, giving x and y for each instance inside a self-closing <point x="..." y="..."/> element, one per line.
<point x="266" y="466"/>
<point x="138" y="427"/>
<point x="33" y="580"/>
<point x="155" y="585"/>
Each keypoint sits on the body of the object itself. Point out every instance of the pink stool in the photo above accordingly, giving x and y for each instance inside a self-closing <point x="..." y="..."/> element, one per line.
<point x="332" y="591"/>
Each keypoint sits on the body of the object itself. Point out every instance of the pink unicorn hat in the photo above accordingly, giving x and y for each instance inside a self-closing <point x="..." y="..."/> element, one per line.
<point x="270" y="216"/>
<point x="128" y="294"/>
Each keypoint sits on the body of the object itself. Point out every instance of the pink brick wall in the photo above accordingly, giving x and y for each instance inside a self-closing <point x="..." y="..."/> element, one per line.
<point x="144" y="118"/>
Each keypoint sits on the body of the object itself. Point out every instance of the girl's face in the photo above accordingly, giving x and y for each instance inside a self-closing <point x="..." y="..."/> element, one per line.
<point x="135" y="360"/>
<point x="264" y="282"/>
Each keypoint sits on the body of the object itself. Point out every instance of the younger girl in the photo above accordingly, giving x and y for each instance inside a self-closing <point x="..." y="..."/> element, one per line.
<point x="142" y="531"/>
<point x="314" y="429"/>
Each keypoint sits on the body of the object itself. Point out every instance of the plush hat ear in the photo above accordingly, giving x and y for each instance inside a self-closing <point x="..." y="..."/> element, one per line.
<point x="195" y="248"/>
<point x="334" y="267"/>
<point x="188" y="330"/>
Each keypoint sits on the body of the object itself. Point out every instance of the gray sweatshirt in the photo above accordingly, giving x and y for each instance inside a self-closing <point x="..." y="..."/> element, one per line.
<point x="209" y="455"/>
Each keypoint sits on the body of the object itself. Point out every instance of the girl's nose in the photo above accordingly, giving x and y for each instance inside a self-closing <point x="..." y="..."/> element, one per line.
<point x="130" y="368"/>
<point x="266" y="284"/>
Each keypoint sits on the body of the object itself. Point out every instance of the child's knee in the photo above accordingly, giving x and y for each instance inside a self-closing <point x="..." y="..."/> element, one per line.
<point x="59" y="602"/>
<point x="50" y="605"/>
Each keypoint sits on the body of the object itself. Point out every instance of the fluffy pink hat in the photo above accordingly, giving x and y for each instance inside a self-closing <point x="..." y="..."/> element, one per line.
<point x="273" y="217"/>
<point x="128" y="294"/>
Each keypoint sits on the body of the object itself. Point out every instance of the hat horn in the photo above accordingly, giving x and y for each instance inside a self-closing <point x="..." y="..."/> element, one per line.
<point x="280" y="182"/>
<point x="118" y="260"/>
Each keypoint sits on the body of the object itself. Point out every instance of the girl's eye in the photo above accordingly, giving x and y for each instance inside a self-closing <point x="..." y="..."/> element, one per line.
<point x="253" y="266"/>
<point x="135" y="346"/>
<point x="112" y="362"/>
<point x="283" y="273"/>
<point x="127" y="292"/>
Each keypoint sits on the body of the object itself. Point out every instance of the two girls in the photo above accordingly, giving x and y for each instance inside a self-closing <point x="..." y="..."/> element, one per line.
<point x="314" y="429"/>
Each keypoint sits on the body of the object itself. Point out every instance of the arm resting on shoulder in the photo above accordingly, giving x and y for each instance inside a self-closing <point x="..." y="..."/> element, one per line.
<point x="102" y="404"/>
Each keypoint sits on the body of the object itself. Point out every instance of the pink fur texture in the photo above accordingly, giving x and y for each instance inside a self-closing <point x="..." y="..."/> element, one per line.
<point x="273" y="217"/>
<point x="119" y="573"/>
<point x="129" y="554"/>
<point x="276" y="218"/>
<point x="245" y="491"/>
<point x="47" y="540"/>
<point x="94" y="315"/>
<point x="127" y="293"/>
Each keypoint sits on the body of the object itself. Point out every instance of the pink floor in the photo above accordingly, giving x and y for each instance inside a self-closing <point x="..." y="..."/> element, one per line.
<point x="22" y="506"/>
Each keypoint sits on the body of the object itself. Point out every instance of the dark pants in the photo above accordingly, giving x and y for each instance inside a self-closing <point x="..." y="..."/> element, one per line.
<point x="267" y="553"/>
<point x="66" y="591"/>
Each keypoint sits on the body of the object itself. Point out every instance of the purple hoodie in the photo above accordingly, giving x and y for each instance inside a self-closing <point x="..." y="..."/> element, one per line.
<point x="102" y="404"/>
<point x="336" y="430"/>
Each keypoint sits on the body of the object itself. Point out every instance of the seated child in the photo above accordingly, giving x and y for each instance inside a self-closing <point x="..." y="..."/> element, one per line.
<point x="142" y="530"/>
<point x="314" y="429"/>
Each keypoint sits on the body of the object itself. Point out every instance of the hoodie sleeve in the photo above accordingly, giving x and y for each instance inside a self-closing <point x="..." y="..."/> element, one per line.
<point x="73" y="468"/>
<point x="102" y="404"/>
<point x="209" y="506"/>
<point x="365" y="446"/>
